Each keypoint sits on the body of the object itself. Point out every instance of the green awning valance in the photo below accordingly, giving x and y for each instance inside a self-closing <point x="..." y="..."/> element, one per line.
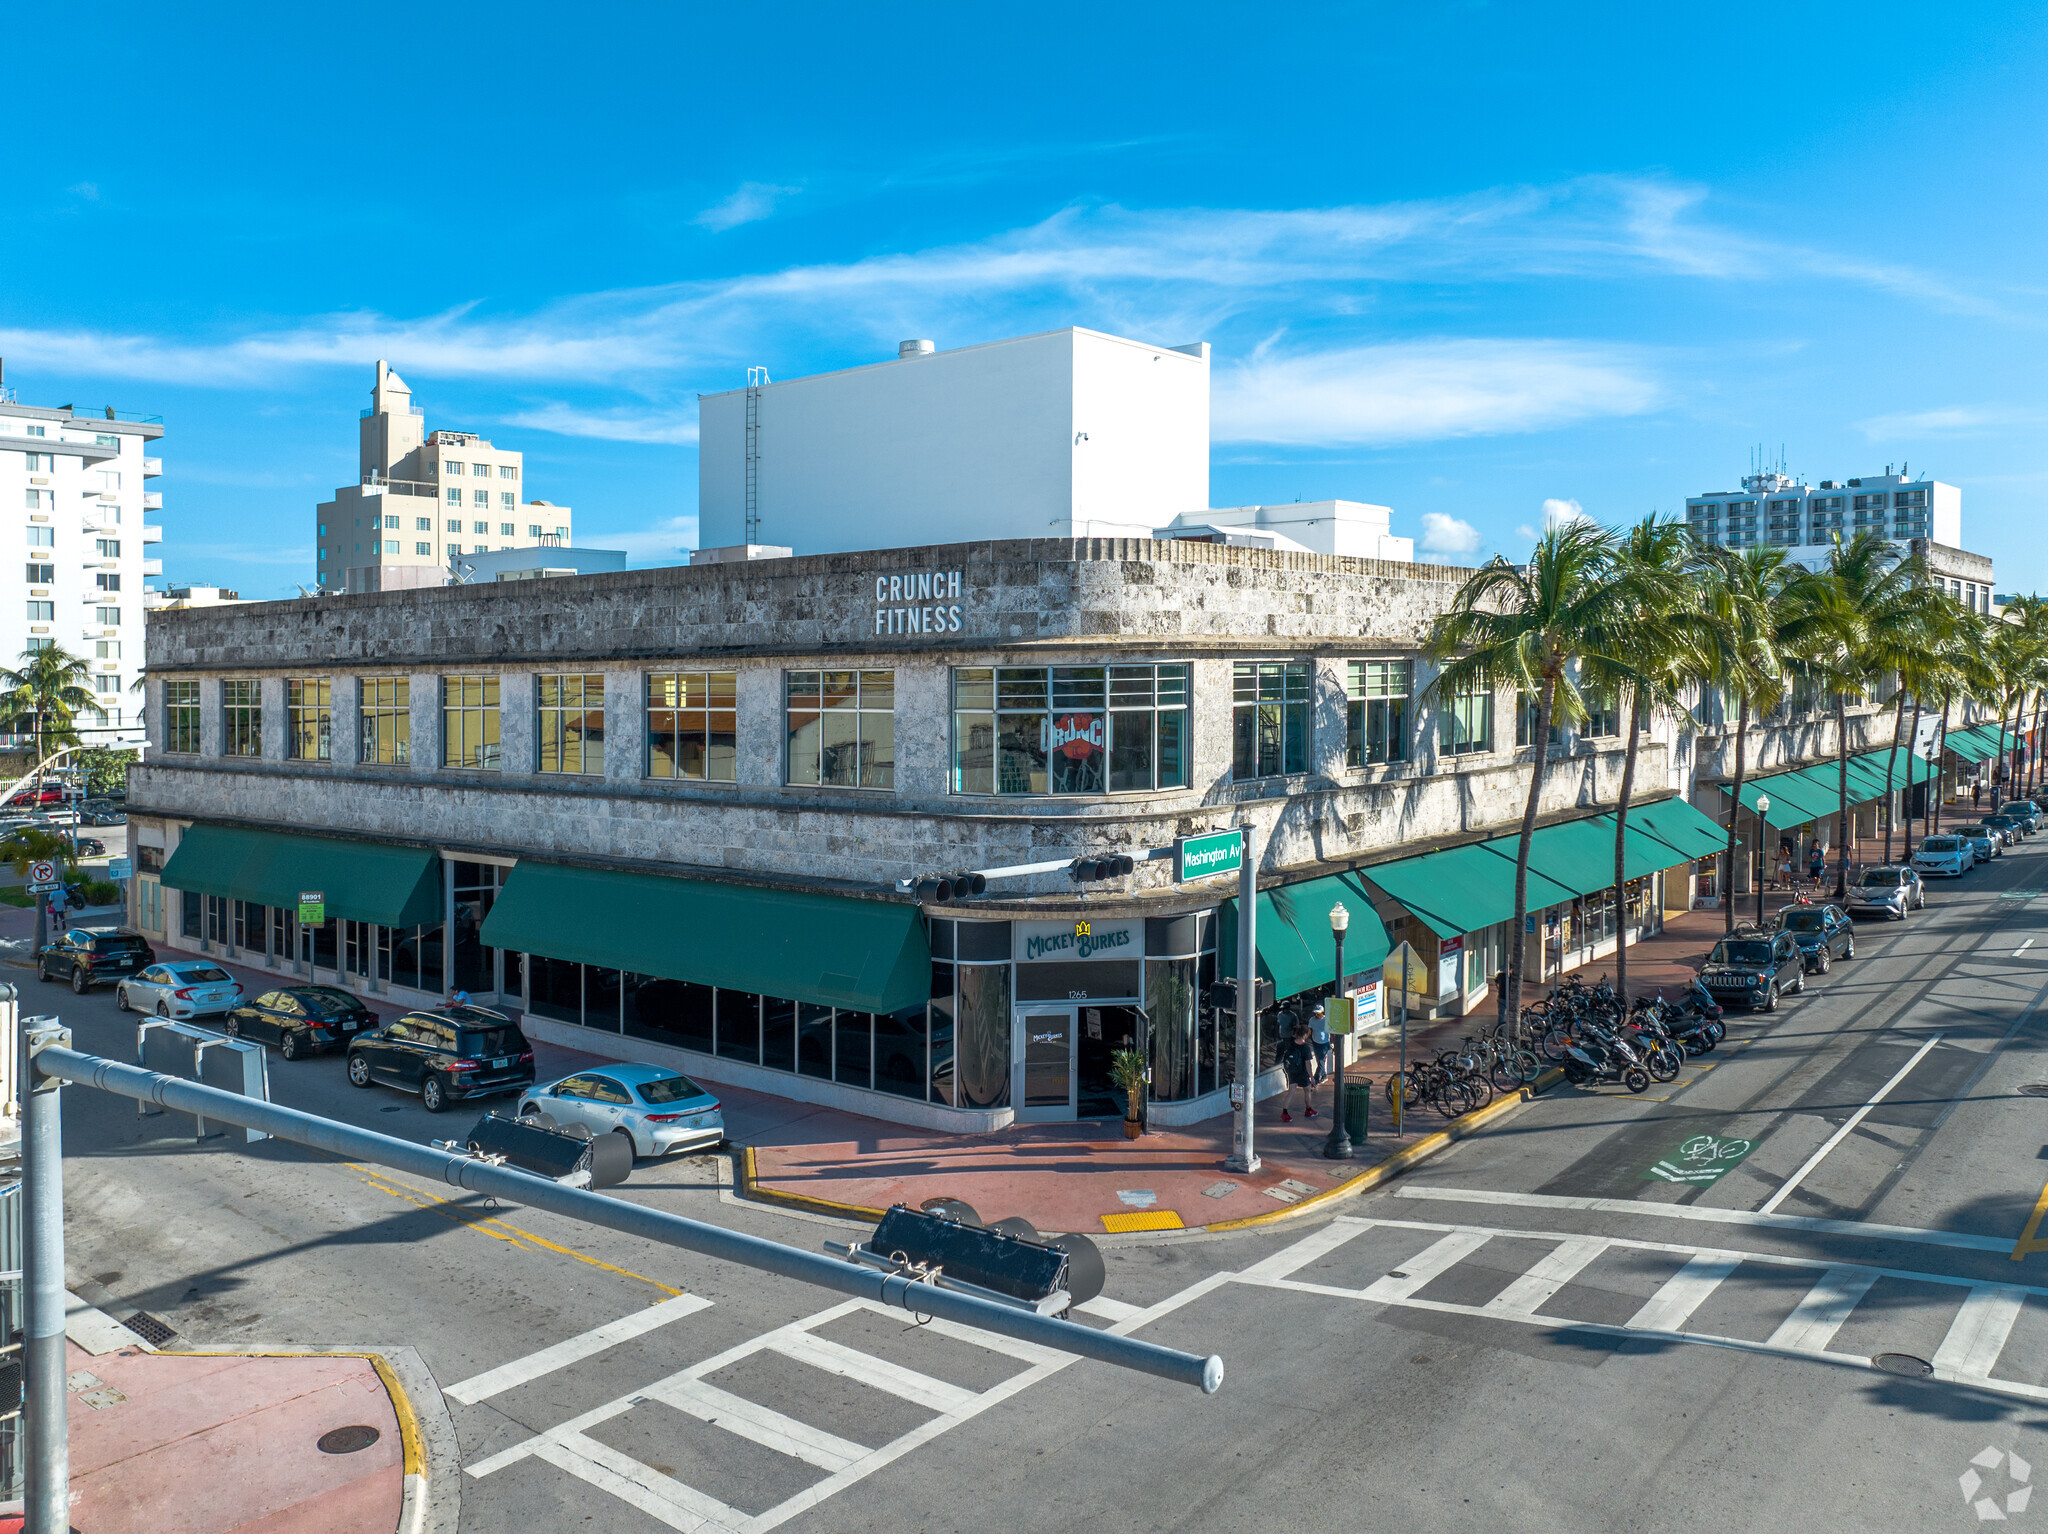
<point x="360" y="881"/>
<point x="1464" y="889"/>
<point x="1642" y="853"/>
<point x="1794" y="801"/>
<point x="830" y="949"/>
<point x="1296" y="951"/>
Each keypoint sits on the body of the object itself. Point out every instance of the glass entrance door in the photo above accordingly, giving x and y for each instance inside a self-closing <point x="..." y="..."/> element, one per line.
<point x="1045" y="1064"/>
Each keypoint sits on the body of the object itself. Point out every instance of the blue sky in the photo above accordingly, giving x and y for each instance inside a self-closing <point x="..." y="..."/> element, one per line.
<point x="1461" y="259"/>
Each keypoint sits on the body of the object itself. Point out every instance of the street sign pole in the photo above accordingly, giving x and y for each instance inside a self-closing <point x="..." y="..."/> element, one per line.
<point x="45" y="1421"/>
<point x="1244" y="1156"/>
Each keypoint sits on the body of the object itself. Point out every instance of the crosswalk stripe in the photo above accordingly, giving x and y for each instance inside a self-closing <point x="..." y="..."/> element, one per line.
<point x="1977" y="1335"/>
<point x="1023" y="1352"/>
<point x="764" y="1425"/>
<point x="870" y="1370"/>
<point x="1535" y="1288"/>
<point x="1684" y="1292"/>
<point x="661" y="1497"/>
<point x="1319" y="1243"/>
<point x="520" y="1370"/>
<point x="1427" y="1264"/>
<point x="1820" y="1314"/>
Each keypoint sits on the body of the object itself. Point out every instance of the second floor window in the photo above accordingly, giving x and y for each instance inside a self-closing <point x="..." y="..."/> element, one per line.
<point x="1269" y="718"/>
<point x="1376" y="713"/>
<point x="107" y="582"/>
<point x="309" y="720"/>
<point x="1465" y="723"/>
<point x="181" y="717"/>
<point x="572" y="723"/>
<point x="842" y="729"/>
<point x="41" y="575"/>
<point x="387" y="719"/>
<point x="241" y="718"/>
<point x="469" y="722"/>
<point x="1070" y="729"/>
<point x="691" y="725"/>
<point x="1603" y="717"/>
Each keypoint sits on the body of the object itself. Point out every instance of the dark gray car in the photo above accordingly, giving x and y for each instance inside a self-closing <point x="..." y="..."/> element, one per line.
<point x="1822" y="930"/>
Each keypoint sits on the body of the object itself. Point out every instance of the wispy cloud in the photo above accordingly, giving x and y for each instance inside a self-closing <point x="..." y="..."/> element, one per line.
<point x="613" y="425"/>
<point x="1427" y="390"/>
<point x="1442" y="534"/>
<point x="752" y="202"/>
<point x="666" y="543"/>
<point x="1558" y="513"/>
<point x="1950" y="421"/>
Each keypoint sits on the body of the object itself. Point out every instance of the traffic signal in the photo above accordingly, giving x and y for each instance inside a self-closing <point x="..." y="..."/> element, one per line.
<point x="1222" y="996"/>
<point x="951" y="887"/>
<point x="1088" y="870"/>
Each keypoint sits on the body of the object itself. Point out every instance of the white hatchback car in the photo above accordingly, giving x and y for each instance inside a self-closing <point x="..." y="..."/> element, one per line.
<point x="654" y="1107"/>
<point x="179" y="990"/>
<point x="1948" y="855"/>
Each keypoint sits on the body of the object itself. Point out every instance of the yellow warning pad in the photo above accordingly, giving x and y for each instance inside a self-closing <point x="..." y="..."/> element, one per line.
<point x="1150" y="1219"/>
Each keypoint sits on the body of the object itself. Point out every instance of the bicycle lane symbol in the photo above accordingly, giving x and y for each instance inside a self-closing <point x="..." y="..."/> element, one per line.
<point x="1699" y="1160"/>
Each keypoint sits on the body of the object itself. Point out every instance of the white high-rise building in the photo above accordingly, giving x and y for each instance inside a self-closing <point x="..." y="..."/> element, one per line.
<point x="74" y="480"/>
<point x="1773" y="508"/>
<point x="423" y="498"/>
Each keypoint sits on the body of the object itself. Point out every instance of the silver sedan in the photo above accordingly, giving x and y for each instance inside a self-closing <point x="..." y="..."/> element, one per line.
<point x="651" y="1105"/>
<point x="179" y="990"/>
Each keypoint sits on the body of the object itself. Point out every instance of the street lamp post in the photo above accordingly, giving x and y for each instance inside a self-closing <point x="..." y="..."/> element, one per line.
<point x="1763" y="808"/>
<point x="1338" y="1146"/>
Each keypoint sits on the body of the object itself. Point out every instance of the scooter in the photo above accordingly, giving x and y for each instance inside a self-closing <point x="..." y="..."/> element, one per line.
<point x="1599" y="1056"/>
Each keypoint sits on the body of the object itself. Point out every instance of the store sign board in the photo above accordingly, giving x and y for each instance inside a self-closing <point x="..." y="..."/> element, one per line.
<point x="1216" y="852"/>
<point x="312" y="908"/>
<point x="1039" y="941"/>
<point x="918" y="602"/>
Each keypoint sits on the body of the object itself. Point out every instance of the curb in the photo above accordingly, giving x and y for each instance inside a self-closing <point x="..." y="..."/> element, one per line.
<point x="431" y="1502"/>
<point x="1428" y="1146"/>
<point x="747" y="1182"/>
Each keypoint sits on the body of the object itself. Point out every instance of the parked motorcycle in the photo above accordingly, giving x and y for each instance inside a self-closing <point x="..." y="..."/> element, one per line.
<point x="1598" y="1055"/>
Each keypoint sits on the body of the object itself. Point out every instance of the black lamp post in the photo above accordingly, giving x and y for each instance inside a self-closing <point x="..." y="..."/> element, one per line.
<point x="1338" y="1146"/>
<point x="1763" y="808"/>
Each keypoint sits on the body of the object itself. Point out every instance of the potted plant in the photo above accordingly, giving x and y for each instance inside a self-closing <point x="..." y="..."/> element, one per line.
<point x="1127" y="1070"/>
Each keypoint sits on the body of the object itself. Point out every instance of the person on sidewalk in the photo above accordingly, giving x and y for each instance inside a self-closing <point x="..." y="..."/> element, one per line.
<point x="1817" y="863"/>
<point x="1785" y="865"/>
<point x="1296" y="1056"/>
<point x="1319" y="1041"/>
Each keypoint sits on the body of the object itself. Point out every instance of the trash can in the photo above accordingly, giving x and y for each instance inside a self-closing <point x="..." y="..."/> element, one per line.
<point x="1357" y="1107"/>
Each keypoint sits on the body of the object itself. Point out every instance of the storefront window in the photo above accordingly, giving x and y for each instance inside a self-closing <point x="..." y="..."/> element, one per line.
<point x="778" y="1033"/>
<point x="1269" y="718"/>
<point x="981" y="1065"/>
<point x="1170" y="1004"/>
<point x="691" y="725"/>
<point x="941" y="1029"/>
<point x="386" y="719"/>
<point x="853" y="1044"/>
<point x="603" y="998"/>
<point x="739" y="1026"/>
<point x="469" y="722"/>
<point x="571" y="718"/>
<point x="476" y="891"/>
<point x="669" y="1012"/>
<point x="309" y="720"/>
<point x="900" y="1051"/>
<point x="181" y="716"/>
<point x="1070" y="729"/>
<point x="814" y="1040"/>
<point x="554" y="988"/>
<point x="1376" y="713"/>
<point x="1465" y="724"/>
<point x="241" y="718"/>
<point x="841" y="729"/>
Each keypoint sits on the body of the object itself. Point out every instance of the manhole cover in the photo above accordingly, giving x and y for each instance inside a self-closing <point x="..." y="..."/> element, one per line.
<point x="2035" y="1089"/>
<point x="348" y="1440"/>
<point x="1904" y="1363"/>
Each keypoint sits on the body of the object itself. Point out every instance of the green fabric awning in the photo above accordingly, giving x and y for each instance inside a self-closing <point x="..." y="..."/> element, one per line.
<point x="1979" y="743"/>
<point x="1906" y="769"/>
<point x="1863" y="784"/>
<point x="1680" y="826"/>
<point x="1576" y="854"/>
<point x="830" y="949"/>
<point x="1794" y="801"/>
<point x="1463" y="889"/>
<point x="360" y="881"/>
<point x="1296" y="950"/>
<point x="1642" y="853"/>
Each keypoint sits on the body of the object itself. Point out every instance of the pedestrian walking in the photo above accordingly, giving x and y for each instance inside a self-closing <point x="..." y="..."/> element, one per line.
<point x="1785" y="865"/>
<point x="1297" y="1055"/>
<point x="1319" y="1041"/>
<point x="1817" y="863"/>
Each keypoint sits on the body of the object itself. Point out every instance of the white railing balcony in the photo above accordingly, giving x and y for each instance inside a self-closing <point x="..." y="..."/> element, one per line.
<point x="152" y="500"/>
<point x="152" y="467"/>
<point x="152" y="567"/>
<point x="152" y="534"/>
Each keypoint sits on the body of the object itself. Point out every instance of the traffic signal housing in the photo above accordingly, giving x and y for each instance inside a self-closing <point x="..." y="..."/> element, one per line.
<point x="1108" y="866"/>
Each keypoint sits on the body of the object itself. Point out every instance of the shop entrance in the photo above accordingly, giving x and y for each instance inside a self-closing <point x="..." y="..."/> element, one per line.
<point x="1061" y="1063"/>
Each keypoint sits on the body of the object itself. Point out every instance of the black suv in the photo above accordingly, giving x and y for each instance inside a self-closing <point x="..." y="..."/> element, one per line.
<point x="444" y="1054"/>
<point x="1823" y="932"/>
<point x="90" y="956"/>
<point x="1755" y="967"/>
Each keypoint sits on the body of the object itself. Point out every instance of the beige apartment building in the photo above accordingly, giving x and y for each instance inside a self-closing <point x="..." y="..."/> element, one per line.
<point x="425" y="501"/>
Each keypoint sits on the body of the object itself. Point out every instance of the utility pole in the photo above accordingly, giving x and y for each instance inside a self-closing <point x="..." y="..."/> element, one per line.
<point x="46" y="1426"/>
<point x="1244" y="1156"/>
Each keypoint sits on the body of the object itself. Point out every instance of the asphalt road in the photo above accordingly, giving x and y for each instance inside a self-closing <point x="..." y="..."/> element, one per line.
<point x="1655" y="1313"/>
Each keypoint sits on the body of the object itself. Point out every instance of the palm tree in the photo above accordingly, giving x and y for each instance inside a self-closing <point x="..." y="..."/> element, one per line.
<point x="1662" y="638"/>
<point x="44" y="696"/>
<point x="1743" y="599"/>
<point x="2020" y="650"/>
<point x="1525" y="627"/>
<point x="1920" y="650"/>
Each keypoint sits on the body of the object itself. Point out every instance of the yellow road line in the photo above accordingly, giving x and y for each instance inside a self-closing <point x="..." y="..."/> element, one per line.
<point x="499" y="1230"/>
<point x="2028" y="1244"/>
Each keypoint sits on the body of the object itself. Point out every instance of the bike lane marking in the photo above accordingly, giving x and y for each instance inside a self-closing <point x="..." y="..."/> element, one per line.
<point x="1770" y="1205"/>
<point x="1699" y="1160"/>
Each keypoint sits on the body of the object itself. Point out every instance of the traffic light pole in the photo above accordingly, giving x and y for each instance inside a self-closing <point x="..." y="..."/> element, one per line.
<point x="1244" y="1155"/>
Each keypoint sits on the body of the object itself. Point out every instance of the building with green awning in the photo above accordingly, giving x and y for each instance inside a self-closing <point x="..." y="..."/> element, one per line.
<point x="359" y="881"/>
<point x="1297" y="950"/>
